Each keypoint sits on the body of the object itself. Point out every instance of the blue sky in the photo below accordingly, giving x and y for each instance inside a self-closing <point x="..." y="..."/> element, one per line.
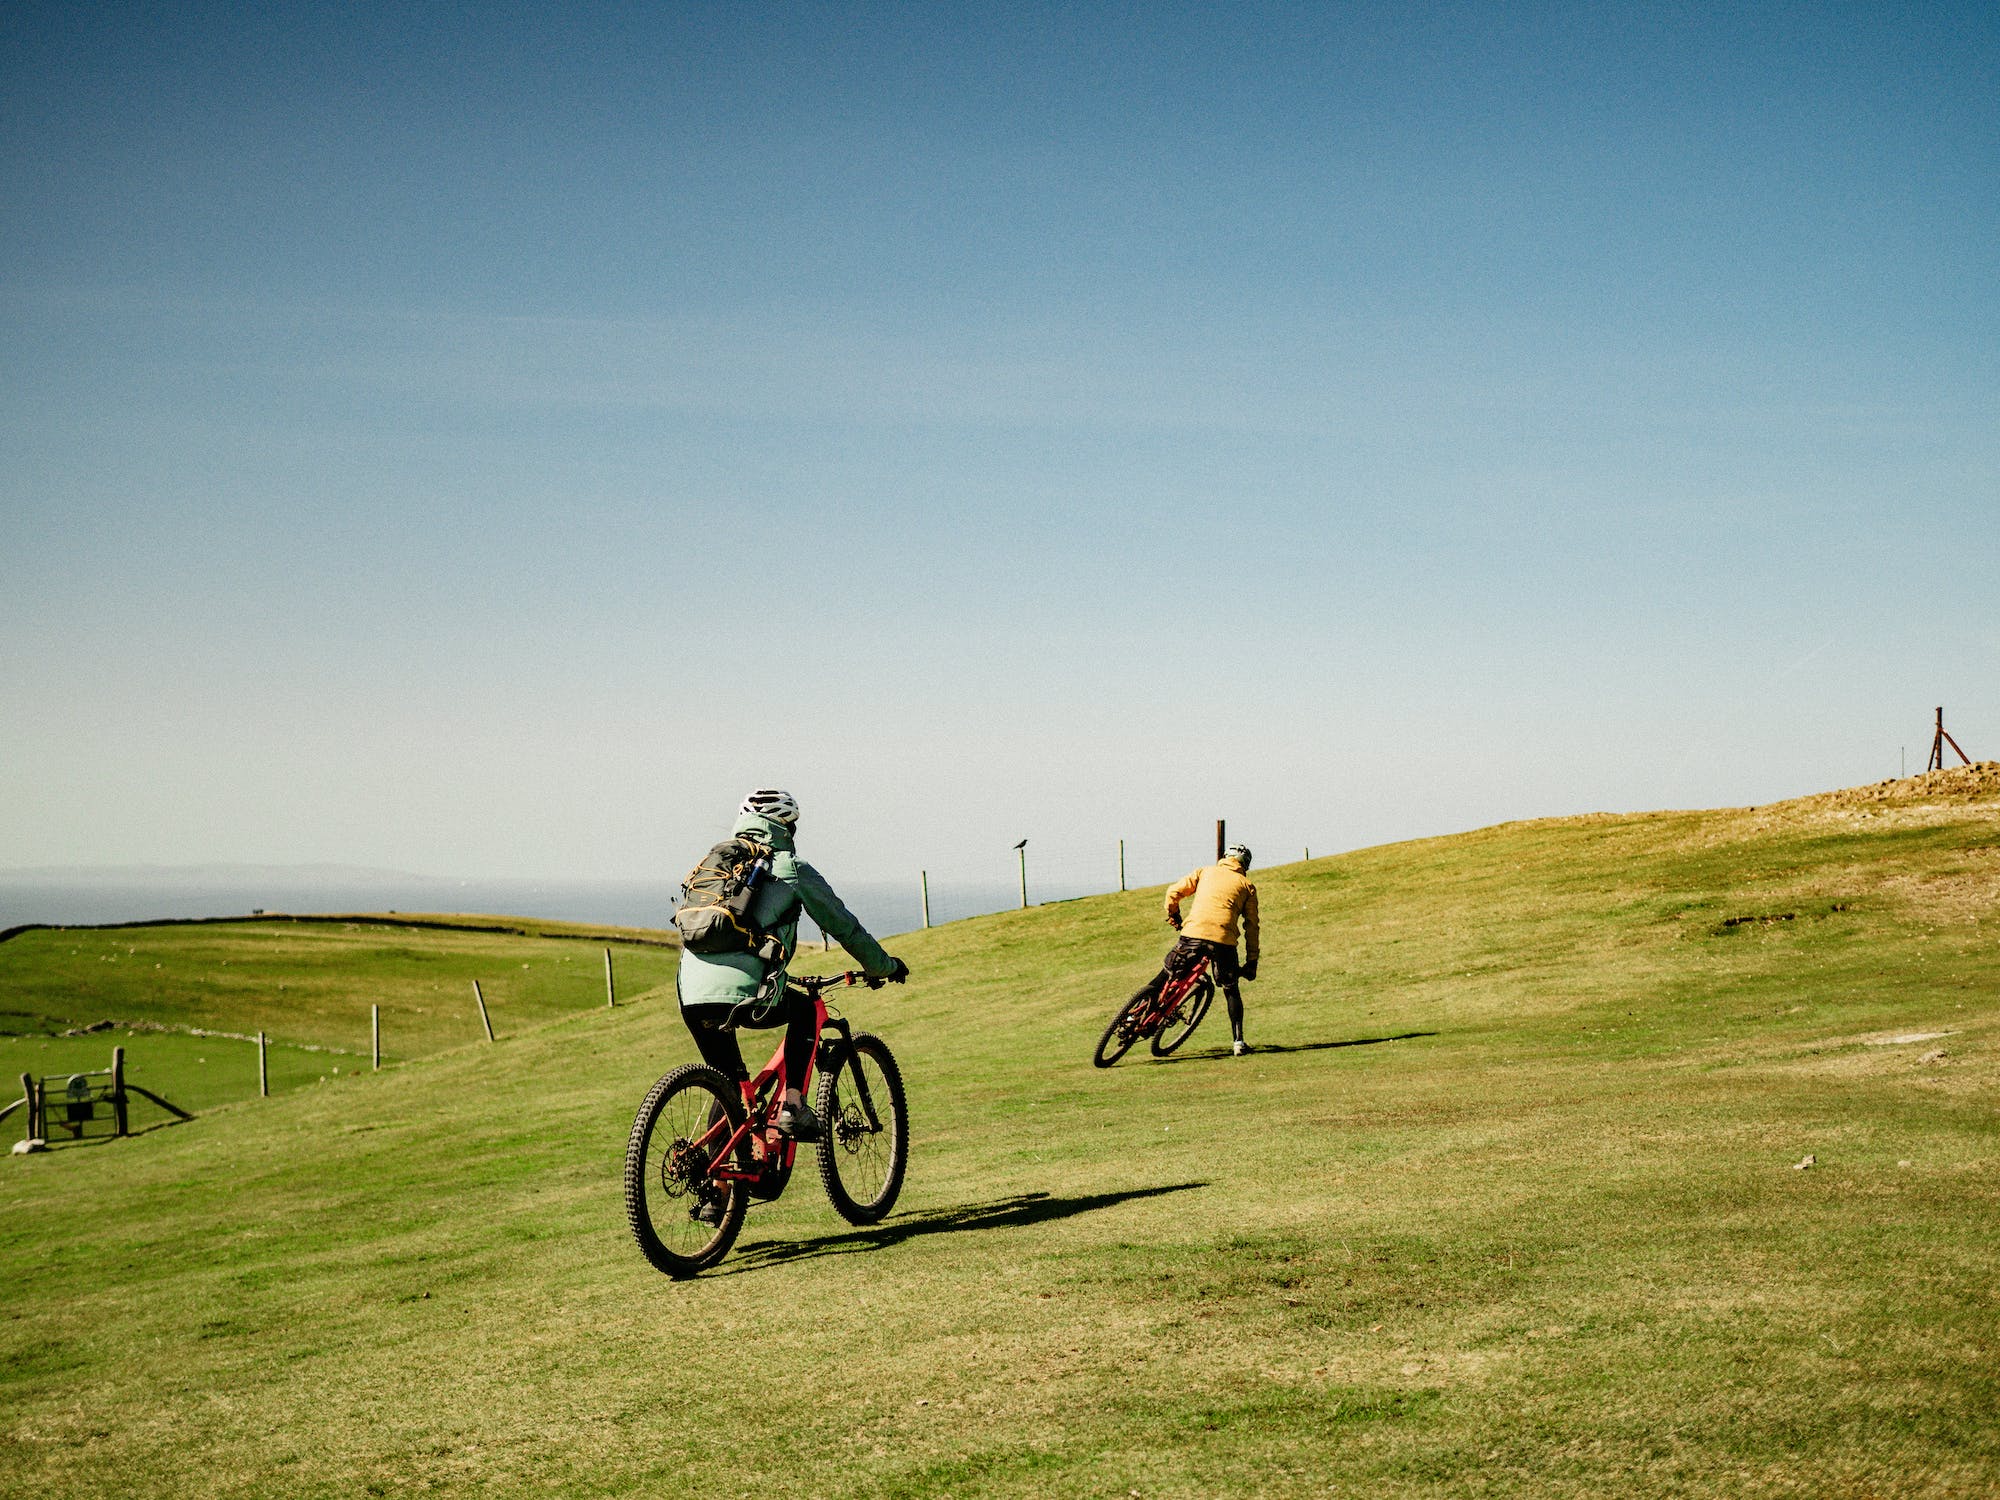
<point x="485" y="442"/>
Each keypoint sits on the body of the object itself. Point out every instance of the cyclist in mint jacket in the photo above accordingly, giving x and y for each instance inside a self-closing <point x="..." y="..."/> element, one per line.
<point x="720" y="991"/>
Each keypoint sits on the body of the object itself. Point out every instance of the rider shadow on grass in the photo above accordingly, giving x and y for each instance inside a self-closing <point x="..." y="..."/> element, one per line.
<point x="1262" y="1049"/>
<point x="1017" y="1212"/>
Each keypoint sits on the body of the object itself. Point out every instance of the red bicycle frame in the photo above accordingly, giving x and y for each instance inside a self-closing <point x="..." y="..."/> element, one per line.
<point x="1167" y="1003"/>
<point x="770" y="1147"/>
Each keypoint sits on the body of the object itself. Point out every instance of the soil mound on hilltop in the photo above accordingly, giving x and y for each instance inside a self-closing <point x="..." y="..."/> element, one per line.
<point x="1931" y="797"/>
<point x="1973" y="783"/>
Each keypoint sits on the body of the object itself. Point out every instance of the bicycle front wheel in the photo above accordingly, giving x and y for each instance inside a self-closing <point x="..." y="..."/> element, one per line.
<point x="1122" y="1032"/>
<point x="683" y="1218"/>
<point x="1194" y="1005"/>
<point x="865" y="1121"/>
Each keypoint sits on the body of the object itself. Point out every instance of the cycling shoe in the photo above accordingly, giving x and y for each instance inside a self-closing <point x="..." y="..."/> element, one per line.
<point x="798" y="1122"/>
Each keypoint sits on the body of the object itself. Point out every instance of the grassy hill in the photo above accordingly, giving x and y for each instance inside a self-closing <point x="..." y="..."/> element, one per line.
<point x="1508" y="1202"/>
<point x="181" y="997"/>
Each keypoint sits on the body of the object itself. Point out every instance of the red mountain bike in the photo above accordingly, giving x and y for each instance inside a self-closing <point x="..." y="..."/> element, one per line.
<point x="1168" y="1017"/>
<point x="702" y="1147"/>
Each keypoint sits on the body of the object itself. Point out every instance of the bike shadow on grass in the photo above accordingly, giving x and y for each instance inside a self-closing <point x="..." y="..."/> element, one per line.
<point x="1017" y="1212"/>
<point x="1263" y="1049"/>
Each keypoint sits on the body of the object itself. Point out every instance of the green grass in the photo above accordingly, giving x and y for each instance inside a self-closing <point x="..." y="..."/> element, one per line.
<point x="307" y="983"/>
<point x="198" y="1073"/>
<point x="1506" y="1205"/>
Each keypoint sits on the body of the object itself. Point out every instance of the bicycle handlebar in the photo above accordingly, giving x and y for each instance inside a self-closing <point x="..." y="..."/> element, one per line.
<point x="812" y="984"/>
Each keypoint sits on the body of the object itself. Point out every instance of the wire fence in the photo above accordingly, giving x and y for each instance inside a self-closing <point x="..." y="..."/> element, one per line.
<point x="198" y="1068"/>
<point x="1045" y="870"/>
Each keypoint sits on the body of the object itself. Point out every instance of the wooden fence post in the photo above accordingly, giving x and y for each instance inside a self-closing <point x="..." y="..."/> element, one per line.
<point x="34" y="1109"/>
<point x="484" y="1019"/>
<point x="924" y="892"/>
<point x="1023" y="852"/>
<point x="119" y="1119"/>
<point x="375" y="1033"/>
<point x="610" y="984"/>
<point x="1218" y="839"/>
<point x="1121" y="864"/>
<point x="263" y="1068"/>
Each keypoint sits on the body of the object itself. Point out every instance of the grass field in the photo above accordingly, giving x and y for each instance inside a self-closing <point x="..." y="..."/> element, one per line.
<point x="1508" y="1201"/>
<point x="308" y="984"/>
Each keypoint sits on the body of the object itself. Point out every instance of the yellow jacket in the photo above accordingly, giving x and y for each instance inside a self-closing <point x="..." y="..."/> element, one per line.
<point x="1221" y="894"/>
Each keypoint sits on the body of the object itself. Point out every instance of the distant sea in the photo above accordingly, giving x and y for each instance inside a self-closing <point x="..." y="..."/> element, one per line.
<point x="89" y="897"/>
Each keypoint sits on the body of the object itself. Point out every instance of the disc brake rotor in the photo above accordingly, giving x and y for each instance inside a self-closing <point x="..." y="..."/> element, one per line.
<point x="680" y="1164"/>
<point x="852" y="1129"/>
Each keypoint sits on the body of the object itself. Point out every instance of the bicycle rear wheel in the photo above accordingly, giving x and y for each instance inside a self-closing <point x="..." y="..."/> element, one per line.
<point x="1194" y="1005"/>
<point x="683" y="1219"/>
<point x="1122" y="1032"/>
<point x="865" y="1119"/>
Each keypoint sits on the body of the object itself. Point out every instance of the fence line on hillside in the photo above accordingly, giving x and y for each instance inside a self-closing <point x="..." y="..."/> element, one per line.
<point x="1037" y="875"/>
<point x="1042" y="872"/>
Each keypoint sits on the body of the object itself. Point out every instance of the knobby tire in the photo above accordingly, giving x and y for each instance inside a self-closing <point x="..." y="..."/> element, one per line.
<point x="861" y="1167"/>
<point x="1119" y="1035"/>
<point x="665" y="1172"/>
<point x="1193" y="1007"/>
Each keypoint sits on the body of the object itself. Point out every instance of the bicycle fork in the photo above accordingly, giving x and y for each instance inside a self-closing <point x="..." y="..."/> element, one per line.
<point x="830" y="1056"/>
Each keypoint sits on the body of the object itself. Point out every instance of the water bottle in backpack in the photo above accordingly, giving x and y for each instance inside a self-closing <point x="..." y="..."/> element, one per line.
<point x="716" y="901"/>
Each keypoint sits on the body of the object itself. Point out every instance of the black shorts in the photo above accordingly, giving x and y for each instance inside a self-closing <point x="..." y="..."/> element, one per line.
<point x="1193" y="950"/>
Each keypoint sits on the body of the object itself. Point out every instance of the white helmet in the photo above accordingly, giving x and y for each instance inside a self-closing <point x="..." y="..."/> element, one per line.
<point x="1238" y="852"/>
<point x="777" y="806"/>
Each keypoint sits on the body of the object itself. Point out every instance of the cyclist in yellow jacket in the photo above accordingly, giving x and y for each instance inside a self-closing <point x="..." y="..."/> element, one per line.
<point x="1222" y="900"/>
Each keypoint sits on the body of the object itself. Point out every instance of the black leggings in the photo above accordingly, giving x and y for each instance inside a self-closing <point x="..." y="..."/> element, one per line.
<point x="715" y="1034"/>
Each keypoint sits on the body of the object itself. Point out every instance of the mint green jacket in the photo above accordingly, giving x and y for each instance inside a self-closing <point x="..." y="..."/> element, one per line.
<point x="727" y="978"/>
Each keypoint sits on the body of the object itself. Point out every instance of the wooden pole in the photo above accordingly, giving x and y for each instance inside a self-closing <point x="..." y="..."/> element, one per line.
<point x="263" y="1067"/>
<point x="1309" y="853"/>
<point x="610" y="986"/>
<point x="1218" y="839"/>
<point x="1939" y="741"/>
<point x="375" y="1033"/>
<point x="1944" y="738"/>
<point x="484" y="1019"/>
<point x="34" y="1111"/>
<point x="119" y="1118"/>
<point x="1121" y="864"/>
<point x="1023" y="852"/>
<point x="924" y="892"/>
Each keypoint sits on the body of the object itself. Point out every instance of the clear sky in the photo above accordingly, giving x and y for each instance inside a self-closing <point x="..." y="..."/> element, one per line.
<point x="487" y="440"/>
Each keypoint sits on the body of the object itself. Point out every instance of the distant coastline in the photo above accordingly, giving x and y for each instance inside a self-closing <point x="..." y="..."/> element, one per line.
<point x="88" y="897"/>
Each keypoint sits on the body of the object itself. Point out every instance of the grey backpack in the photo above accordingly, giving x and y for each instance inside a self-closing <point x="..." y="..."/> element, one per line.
<point x="714" y="914"/>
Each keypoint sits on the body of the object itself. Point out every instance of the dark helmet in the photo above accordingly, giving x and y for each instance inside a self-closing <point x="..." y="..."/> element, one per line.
<point x="1238" y="852"/>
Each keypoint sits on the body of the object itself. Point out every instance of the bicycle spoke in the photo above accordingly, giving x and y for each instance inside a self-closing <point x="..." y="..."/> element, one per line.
<point x="682" y="1215"/>
<point x="865" y="1147"/>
